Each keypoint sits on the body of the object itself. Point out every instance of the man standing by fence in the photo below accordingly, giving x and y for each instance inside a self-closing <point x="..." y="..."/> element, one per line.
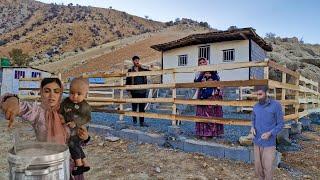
<point x="141" y="93"/>
<point x="267" y="122"/>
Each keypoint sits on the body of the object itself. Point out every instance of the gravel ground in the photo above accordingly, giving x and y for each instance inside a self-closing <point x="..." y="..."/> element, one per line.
<point x="129" y="160"/>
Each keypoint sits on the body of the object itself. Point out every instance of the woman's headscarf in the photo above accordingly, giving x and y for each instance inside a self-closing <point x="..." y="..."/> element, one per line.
<point x="56" y="132"/>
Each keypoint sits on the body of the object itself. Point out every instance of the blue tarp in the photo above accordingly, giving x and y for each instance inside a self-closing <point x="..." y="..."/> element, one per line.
<point x="96" y="80"/>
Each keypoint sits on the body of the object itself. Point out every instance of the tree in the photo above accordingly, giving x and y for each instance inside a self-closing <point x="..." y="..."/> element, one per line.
<point x="146" y="16"/>
<point x="19" y="58"/>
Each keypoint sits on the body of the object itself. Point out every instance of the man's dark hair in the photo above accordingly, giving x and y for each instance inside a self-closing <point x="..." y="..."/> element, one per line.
<point x="263" y="88"/>
<point x="135" y="57"/>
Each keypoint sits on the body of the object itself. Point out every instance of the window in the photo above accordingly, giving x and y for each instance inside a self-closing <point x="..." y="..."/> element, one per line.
<point x="204" y="52"/>
<point x="19" y="74"/>
<point x="228" y="55"/>
<point x="182" y="60"/>
<point x="35" y="74"/>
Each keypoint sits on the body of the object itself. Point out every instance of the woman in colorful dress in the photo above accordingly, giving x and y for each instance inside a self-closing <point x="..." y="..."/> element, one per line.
<point x="208" y="130"/>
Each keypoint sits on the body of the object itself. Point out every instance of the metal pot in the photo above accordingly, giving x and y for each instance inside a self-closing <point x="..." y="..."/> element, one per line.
<point x="39" y="161"/>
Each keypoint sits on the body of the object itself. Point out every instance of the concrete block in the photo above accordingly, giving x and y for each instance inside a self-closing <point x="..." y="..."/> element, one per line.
<point x="120" y="125"/>
<point x="174" y="131"/>
<point x="151" y="138"/>
<point x="213" y="149"/>
<point x="121" y="134"/>
<point x="192" y="146"/>
<point x="131" y="134"/>
<point x="176" y="144"/>
<point x="237" y="153"/>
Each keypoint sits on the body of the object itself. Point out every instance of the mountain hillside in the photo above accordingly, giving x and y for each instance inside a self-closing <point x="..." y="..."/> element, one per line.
<point x="297" y="56"/>
<point x="49" y="30"/>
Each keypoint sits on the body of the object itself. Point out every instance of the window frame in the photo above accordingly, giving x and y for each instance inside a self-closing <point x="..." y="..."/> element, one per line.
<point x="186" y="60"/>
<point x="201" y="53"/>
<point x="18" y="74"/>
<point x="227" y="56"/>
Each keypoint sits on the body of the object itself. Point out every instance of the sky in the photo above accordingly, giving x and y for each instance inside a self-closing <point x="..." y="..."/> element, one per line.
<point x="285" y="18"/>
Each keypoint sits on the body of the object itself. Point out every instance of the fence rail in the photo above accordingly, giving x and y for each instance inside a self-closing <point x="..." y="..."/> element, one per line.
<point x="304" y="93"/>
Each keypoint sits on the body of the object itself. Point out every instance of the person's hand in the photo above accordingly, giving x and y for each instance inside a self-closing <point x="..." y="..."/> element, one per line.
<point x="266" y="135"/>
<point x="71" y="124"/>
<point x="62" y="119"/>
<point x="11" y="109"/>
<point x="253" y="131"/>
<point x="83" y="133"/>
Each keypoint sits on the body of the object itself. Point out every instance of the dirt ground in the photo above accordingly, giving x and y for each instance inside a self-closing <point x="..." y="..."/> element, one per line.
<point x="129" y="160"/>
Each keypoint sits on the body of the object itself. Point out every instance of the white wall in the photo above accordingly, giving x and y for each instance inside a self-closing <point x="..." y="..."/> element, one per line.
<point x="170" y="60"/>
<point x="10" y="84"/>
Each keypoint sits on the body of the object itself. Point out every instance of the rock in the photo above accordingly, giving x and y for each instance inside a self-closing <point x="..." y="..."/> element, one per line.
<point x="283" y="137"/>
<point x="158" y="170"/>
<point x="246" y="140"/>
<point x="307" y="177"/>
<point x="306" y="124"/>
<point x="295" y="128"/>
<point x="313" y="127"/>
<point x="111" y="138"/>
<point x="277" y="158"/>
<point x="205" y="165"/>
<point x="101" y="144"/>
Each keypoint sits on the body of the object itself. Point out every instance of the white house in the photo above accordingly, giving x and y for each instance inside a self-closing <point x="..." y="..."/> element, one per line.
<point x="237" y="45"/>
<point x="9" y="77"/>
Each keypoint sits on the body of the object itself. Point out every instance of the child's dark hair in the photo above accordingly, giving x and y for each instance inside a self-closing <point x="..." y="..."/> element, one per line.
<point x="135" y="57"/>
<point x="46" y="81"/>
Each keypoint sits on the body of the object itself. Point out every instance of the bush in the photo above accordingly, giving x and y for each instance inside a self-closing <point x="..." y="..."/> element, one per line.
<point x="204" y="24"/>
<point x="19" y="58"/>
<point x="170" y="23"/>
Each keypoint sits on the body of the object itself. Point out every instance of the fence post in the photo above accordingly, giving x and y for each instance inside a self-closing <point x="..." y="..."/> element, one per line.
<point x="296" y="110"/>
<point x="305" y="103"/>
<point x="121" y="95"/>
<point x="283" y="91"/>
<point x="174" y="96"/>
<point x="266" y="72"/>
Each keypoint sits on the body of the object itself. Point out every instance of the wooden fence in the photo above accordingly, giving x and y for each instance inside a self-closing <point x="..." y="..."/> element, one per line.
<point x="298" y="95"/>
